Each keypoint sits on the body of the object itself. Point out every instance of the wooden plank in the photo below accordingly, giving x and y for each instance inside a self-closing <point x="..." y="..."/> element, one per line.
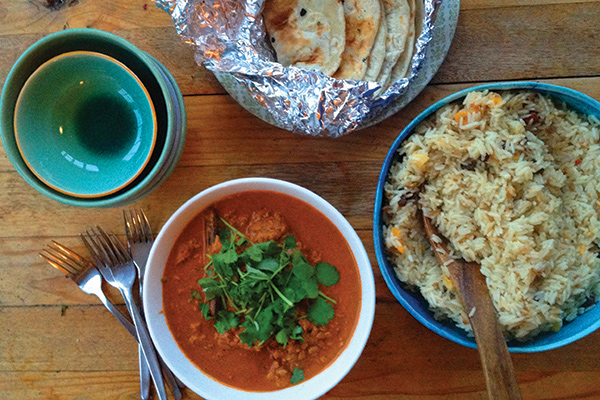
<point x="524" y="42"/>
<point x="479" y="4"/>
<point x="161" y="42"/>
<point x="541" y="40"/>
<point x="39" y="16"/>
<point x="28" y="280"/>
<point x="79" y="338"/>
<point x="221" y="132"/>
<point x="406" y="385"/>
<point x="93" y="385"/>
<point x="25" y="213"/>
<point x="226" y="142"/>
<point x="88" y="338"/>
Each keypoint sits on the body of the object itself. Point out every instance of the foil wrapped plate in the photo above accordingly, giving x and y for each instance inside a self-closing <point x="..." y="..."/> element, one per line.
<point x="230" y="41"/>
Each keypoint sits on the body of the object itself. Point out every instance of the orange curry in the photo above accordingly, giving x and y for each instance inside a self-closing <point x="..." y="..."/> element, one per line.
<point x="261" y="216"/>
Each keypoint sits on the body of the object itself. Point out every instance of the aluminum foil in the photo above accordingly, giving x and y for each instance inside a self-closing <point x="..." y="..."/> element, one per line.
<point x="229" y="37"/>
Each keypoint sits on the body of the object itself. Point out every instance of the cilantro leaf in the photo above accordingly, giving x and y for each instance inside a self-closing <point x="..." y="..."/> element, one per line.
<point x="268" y="264"/>
<point x="211" y="288"/>
<point x="289" y="243"/>
<point x="247" y="337"/>
<point x="320" y="312"/>
<point x="301" y="268"/>
<point x="252" y="253"/>
<point x="297" y="376"/>
<point x="225" y="236"/>
<point x="327" y="274"/>
<point x="256" y="273"/>
<point x="282" y="337"/>
<point x="205" y="310"/>
<point x="223" y="262"/>
<point x="311" y="287"/>
<point x="263" y="283"/>
<point x="272" y="249"/>
<point x="258" y="329"/>
<point x="296" y="333"/>
<point x="207" y="282"/>
<point x="225" y="321"/>
<point x="196" y="295"/>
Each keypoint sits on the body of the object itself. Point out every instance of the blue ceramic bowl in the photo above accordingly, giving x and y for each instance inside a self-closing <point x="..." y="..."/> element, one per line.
<point x="413" y="302"/>
<point x="163" y="90"/>
<point x="85" y="124"/>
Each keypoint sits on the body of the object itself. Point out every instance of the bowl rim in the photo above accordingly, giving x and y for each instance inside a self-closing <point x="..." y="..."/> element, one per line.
<point x="128" y="178"/>
<point x="127" y="194"/>
<point x="193" y="377"/>
<point x="448" y="330"/>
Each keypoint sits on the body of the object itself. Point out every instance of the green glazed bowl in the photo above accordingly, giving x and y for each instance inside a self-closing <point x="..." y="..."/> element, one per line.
<point x="85" y="124"/>
<point x="169" y="110"/>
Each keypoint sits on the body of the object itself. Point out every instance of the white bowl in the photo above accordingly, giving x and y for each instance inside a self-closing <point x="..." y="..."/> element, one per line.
<point x="183" y="368"/>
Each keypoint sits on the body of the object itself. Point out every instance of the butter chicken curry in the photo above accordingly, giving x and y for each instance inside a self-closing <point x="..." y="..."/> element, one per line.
<point x="261" y="291"/>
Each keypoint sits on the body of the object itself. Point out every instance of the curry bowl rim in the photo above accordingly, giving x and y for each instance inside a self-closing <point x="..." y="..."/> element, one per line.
<point x="166" y="346"/>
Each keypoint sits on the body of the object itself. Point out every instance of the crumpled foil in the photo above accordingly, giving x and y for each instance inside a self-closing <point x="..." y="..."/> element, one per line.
<point x="229" y="37"/>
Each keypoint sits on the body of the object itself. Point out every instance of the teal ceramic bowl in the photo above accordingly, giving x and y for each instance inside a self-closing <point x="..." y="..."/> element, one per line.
<point x="412" y="300"/>
<point x="161" y="86"/>
<point x="85" y="124"/>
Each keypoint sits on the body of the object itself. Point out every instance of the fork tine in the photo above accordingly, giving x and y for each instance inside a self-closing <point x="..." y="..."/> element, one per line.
<point x="71" y="265"/>
<point x="73" y="259"/>
<point x="118" y="247"/>
<point x="106" y="246"/>
<point x="138" y="225"/>
<point x="145" y="226"/>
<point x="111" y="247"/>
<point x="129" y="228"/>
<point x="93" y="248"/>
<point x="52" y="261"/>
<point x="67" y="251"/>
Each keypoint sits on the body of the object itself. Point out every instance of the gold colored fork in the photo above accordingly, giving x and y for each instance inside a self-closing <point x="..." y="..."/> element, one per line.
<point x="85" y="275"/>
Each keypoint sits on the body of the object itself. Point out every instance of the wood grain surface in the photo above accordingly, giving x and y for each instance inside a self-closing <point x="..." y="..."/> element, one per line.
<point x="56" y="343"/>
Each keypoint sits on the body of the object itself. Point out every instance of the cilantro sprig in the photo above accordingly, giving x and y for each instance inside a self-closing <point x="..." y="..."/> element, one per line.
<point x="260" y="286"/>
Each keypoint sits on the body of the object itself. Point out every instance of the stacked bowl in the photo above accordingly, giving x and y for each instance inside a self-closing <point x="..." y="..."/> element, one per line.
<point x="90" y="120"/>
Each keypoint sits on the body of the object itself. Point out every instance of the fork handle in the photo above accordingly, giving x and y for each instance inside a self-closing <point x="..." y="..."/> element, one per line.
<point x="122" y="318"/>
<point x="144" y="374"/>
<point x="144" y="371"/>
<point x="146" y="343"/>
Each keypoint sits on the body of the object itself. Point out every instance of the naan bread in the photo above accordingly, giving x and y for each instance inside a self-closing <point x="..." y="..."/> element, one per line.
<point x="402" y="68"/>
<point x="362" y="19"/>
<point x="377" y="52"/>
<point x="307" y="33"/>
<point x="397" y="17"/>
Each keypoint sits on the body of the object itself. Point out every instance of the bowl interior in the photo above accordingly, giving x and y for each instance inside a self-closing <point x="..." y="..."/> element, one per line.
<point x="166" y="345"/>
<point x="111" y="45"/>
<point x="412" y="301"/>
<point x="85" y="124"/>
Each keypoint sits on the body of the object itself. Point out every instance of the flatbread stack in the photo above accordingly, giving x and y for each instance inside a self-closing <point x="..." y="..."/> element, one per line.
<point x="369" y="40"/>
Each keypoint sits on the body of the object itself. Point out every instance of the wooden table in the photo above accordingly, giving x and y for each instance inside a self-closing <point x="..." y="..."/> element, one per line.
<point x="56" y="343"/>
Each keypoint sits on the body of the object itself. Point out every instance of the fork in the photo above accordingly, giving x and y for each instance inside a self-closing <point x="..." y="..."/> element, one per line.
<point x="139" y="242"/>
<point x="139" y="249"/>
<point x="85" y="275"/>
<point x="119" y="271"/>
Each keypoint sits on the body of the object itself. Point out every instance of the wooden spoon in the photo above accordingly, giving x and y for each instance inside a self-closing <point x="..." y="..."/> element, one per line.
<point x="473" y="293"/>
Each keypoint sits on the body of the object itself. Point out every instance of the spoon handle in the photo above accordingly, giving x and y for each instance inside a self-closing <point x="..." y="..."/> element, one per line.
<point x="474" y="295"/>
<point x="495" y="358"/>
